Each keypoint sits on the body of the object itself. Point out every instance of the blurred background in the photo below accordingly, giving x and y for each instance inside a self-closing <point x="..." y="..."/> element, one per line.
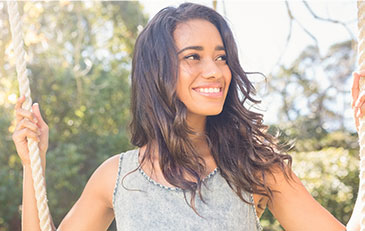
<point x="79" y="63"/>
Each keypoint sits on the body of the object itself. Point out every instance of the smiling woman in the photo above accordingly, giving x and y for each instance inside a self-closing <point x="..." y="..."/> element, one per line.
<point x="204" y="76"/>
<point x="204" y="161"/>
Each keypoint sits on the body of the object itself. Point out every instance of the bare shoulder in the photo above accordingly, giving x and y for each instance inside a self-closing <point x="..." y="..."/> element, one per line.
<point x="105" y="177"/>
<point x="110" y="164"/>
<point x="98" y="192"/>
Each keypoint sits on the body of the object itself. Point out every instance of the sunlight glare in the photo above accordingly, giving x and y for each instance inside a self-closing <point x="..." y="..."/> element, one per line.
<point x="12" y="98"/>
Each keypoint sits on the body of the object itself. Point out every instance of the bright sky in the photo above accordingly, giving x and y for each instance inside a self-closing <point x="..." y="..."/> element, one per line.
<point x="261" y="28"/>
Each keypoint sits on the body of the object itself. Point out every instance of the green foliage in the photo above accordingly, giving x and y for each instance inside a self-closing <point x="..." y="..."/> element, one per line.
<point x="64" y="165"/>
<point x="79" y="66"/>
<point x="328" y="167"/>
<point x="325" y="154"/>
<point x="10" y="176"/>
<point x="331" y="175"/>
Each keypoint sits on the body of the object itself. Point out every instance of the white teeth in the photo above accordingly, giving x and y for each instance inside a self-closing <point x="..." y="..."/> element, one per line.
<point x="209" y="90"/>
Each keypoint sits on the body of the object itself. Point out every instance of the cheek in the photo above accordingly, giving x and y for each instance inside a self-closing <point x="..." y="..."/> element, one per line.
<point x="185" y="78"/>
<point x="182" y="90"/>
<point x="187" y="70"/>
<point x="228" y="75"/>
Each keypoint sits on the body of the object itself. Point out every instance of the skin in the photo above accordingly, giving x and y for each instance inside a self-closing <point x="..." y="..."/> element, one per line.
<point x="209" y="67"/>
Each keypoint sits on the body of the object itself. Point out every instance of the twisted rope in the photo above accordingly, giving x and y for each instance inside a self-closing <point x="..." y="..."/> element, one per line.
<point x="35" y="160"/>
<point x="361" y="66"/>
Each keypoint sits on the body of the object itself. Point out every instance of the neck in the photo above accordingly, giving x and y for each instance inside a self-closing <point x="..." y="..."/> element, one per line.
<point x="198" y="124"/>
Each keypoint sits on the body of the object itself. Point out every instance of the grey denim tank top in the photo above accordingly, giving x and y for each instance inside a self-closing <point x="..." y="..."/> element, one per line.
<point x="143" y="204"/>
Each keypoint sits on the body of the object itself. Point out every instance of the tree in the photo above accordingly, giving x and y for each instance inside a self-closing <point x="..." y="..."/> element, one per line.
<point x="79" y="56"/>
<point x="313" y="100"/>
<point x="314" y="87"/>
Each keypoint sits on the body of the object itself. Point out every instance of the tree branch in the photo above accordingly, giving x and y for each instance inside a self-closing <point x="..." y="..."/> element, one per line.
<point x="329" y="20"/>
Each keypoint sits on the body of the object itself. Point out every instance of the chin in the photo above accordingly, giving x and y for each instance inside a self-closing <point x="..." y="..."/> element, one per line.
<point x="215" y="114"/>
<point x="205" y="111"/>
<point x="211" y="112"/>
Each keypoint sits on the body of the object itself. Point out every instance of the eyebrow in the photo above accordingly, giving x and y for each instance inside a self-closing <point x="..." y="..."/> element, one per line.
<point x="200" y="48"/>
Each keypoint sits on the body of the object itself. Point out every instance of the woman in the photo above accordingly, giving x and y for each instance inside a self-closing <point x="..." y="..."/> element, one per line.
<point x="204" y="161"/>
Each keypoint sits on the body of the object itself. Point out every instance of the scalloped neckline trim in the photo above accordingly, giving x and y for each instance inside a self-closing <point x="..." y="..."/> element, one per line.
<point x="147" y="177"/>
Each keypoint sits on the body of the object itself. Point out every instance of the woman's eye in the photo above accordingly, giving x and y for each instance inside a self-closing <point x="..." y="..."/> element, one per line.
<point x="192" y="57"/>
<point x="222" y="58"/>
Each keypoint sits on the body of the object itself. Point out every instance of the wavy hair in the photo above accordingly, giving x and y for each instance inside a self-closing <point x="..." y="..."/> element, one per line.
<point x="239" y="142"/>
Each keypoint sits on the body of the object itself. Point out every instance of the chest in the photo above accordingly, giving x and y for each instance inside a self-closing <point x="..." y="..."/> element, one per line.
<point x="146" y="205"/>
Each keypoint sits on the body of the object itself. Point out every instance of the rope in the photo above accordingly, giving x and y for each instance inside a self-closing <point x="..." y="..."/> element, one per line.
<point x="35" y="160"/>
<point x="361" y="66"/>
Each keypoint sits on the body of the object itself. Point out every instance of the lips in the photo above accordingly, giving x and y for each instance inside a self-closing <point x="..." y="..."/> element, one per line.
<point x="209" y="91"/>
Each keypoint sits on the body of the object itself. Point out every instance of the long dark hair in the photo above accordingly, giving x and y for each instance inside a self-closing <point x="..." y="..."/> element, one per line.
<point x="240" y="144"/>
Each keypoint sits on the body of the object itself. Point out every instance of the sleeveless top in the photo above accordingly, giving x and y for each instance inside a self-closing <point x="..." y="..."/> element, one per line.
<point x="140" y="203"/>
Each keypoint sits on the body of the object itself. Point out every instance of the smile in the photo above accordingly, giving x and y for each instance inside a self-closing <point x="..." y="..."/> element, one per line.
<point x="210" y="92"/>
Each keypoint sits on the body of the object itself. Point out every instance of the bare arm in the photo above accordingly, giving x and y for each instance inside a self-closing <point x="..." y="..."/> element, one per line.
<point x="30" y="220"/>
<point x="93" y="211"/>
<point x="296" y="209"/>
<point x="29" y="125"/>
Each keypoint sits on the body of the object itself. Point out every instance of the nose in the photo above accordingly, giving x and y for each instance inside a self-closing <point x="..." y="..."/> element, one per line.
<point x="210" y="69"/>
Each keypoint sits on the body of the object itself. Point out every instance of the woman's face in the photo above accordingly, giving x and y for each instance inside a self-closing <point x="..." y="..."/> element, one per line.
<point x="204" y="75"/>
